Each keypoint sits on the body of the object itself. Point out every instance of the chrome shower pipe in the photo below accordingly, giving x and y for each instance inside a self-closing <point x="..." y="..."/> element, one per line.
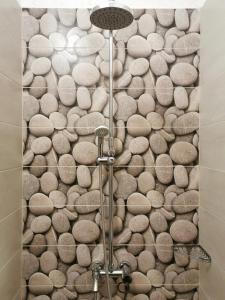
<point x="111" y="150"/>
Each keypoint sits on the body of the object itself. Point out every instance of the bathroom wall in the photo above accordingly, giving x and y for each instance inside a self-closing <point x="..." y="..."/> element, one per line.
<point x="156" y="122"/>
<point x="10" y="149"/>
<point x="212" y="163"/>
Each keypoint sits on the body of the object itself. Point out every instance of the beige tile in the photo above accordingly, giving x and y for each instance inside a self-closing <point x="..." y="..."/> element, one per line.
<point x="212" y="191"/>
<point x="11" y="101"/>
<point x="11" y="146"/>
<point x="212" y="67"/>
<point x="212" y="233"/>
<point x="211" y="11"/>
<point x="10" y="32"/>
<point x="18" y="295"/>
<point x="10" y="191"/>
<point x="212" y="62"/>
<point x="212" y="278"/>
<point x="10" y="237"/>
<point x="10" y="278"/>
<point x="212" y="111"/>
<point x="202" y="295"/>
<point x="212" y="146"/>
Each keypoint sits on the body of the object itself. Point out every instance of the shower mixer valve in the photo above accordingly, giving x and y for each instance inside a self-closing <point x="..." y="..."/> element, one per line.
<point x="123" y="272"/>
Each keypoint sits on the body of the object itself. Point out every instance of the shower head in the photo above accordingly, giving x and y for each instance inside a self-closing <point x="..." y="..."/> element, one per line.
<point x="111" y="15"/>
<point x="101" y="131"/>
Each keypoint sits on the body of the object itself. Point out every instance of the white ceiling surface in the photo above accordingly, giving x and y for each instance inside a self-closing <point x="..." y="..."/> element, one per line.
<point x="131" y="3"/>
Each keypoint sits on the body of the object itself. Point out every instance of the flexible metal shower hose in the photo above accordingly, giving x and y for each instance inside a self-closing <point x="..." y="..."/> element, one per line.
<point x="104" y="231"/>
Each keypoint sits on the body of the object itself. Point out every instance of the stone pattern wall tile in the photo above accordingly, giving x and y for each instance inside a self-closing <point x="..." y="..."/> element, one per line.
<point x="156" y="119"/>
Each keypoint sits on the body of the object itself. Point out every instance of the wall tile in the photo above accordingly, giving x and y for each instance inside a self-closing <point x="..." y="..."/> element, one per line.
<point x="10" y="99"/>
<point x="213" y="146"/>
<point x="61" y="134"/>
<point x="212" y="111"/>
<point x="10" y="31"/>
<point x="10" y="151"/>
<point x="212" y="281"/>
<point x="10" y="279"/>
<point x="10" y="242"/>
<point x="214" y="243"/>
<point x="10" y="191"/>
<point x="212" y="191"/>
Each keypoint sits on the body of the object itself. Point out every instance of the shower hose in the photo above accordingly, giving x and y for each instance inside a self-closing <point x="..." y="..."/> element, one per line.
<point x="102" y="202"/>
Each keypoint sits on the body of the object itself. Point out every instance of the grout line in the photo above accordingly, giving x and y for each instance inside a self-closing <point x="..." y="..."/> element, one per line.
<point x="106" y="88"/>
<point x="10" y="79"/>
<point x="210" y="213"/>
<point x="115" y="245"/>
<point x="211" y="124"/>
<point x="161" y="10"/>
<point x="9" y="215"/>
<point x="202" y="291"/>
<point x="11" y="125"/>
<point x="9" y="260"/>
<point x="63" y="47"/>
<point x="125" y="127"/>
<point x="11" y="169"/>
<point x="106" y="205"/>
<point x="211" y="169"/>
<point x="116" y="284"/>
<point x="115" y="166"/>
<point x="17" y="294"/>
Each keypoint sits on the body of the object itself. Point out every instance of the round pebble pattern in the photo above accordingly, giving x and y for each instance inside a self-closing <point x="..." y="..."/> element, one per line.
<point x="156" y="116"/>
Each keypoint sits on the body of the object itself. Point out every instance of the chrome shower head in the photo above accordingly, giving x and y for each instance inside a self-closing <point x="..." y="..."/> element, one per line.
<point x="111" y="15"/>
<point x="101" y="131"/>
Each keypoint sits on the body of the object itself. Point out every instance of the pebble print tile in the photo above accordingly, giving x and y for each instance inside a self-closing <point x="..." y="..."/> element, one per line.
<point x="156" y="115"/>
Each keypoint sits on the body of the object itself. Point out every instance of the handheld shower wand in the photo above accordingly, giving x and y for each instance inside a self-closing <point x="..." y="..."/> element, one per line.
<point x="101" y="132"/>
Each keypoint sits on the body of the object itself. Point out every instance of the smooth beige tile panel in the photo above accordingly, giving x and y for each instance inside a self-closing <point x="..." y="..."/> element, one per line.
<point x="10" y="237"/>
<point x="212" y="62"/>
<point x="10" y="191"/>
<point x="10" y="101"/>
<point x="212" y="22"/>
<point x="212" y="278"/>
<point x="202" y="295"/>
<point x="212" y="111"/>
<point x="212" y="233"/>
<point x="212" y="146"/>
<point x="10" y="32"/>
<point x="10" y="278"/>
<point x="212" y="191"/>
<point x="215" y="67"/>
<point x="10" y="147"/>
<point x="18" y="295"/>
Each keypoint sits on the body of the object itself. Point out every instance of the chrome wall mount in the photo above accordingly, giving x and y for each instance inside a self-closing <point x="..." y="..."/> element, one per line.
<point x="195" y="251"/>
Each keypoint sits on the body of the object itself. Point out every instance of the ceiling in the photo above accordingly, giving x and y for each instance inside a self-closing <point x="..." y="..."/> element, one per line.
<point x="131" y="3"/>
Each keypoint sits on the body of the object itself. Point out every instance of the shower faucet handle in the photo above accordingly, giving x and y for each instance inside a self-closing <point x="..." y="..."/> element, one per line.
<point x="126" y="270"/>
<point x="96" y="269"/>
